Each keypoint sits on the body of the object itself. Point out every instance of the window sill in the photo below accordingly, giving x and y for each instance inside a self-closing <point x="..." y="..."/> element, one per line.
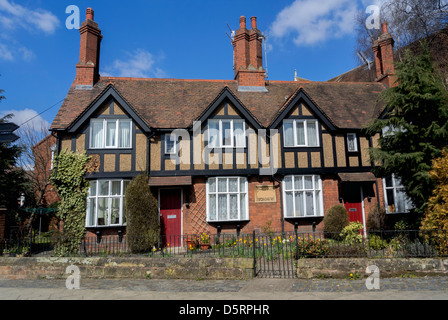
<point x="108" y="148"/>
<point x="109" y="226"/>
<point x="304" y="217"/>
<point x="228" y="221"/>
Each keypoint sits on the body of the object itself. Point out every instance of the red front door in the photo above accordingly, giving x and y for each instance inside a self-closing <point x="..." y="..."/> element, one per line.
<point x="352" y="202"/>
<point x="354" y="210"/>
<point x="170" y="216"/>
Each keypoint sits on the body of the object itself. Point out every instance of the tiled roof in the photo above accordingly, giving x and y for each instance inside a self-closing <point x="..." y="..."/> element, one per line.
<point x="173" y="103"/>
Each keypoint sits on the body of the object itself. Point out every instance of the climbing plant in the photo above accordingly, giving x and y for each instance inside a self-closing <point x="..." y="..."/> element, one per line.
<point x="68" y="178"/>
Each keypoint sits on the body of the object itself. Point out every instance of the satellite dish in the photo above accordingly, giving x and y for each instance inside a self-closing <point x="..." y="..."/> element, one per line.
<point x="363" y="58"/>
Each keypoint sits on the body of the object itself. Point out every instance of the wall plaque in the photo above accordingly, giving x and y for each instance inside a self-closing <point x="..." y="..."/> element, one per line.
<point x="265" y="194"/>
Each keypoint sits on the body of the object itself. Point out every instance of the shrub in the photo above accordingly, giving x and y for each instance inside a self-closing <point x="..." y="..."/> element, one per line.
<point x="309" y="248"/>
<point x="376" y="242"/>
<point x="352" y="233"/>
<point x="143" y="227"/>
<point x="436" y="218"/>
<point x="335" y="220"/>
<point x="376" y="218"/>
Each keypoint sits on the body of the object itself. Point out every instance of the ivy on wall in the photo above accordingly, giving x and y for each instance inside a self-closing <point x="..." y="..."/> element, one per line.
<point x="68" y="177"/>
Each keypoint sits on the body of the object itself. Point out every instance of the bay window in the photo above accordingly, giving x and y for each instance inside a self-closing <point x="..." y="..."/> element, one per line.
<point x="226" y="133"/>
<point x="227" y="199"/>
<point x="300" y="133"/>
<point x="106" y="203"/>
<point x="110" y="133"/>
<point x="302" y="196"/>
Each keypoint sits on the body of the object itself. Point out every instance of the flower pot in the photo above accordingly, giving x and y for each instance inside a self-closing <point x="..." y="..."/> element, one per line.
<point x="191" y="243"/>
<point x="205" y="246"/>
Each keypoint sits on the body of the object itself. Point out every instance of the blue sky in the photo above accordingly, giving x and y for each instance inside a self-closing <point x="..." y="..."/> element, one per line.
<point x="168" y="39"/>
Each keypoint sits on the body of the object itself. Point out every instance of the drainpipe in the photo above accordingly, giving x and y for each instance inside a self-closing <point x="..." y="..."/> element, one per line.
<point x="281" y="203"/>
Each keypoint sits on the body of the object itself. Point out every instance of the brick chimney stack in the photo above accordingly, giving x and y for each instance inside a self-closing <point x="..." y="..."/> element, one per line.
<point x="87" y="69"/>
<point x="384" y="57"/>
<point x="248" y="57"/>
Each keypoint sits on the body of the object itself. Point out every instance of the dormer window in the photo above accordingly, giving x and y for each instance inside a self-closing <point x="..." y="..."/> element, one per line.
<point x="300" y="133"/>
<point x="352" y="144"/>
<point x="110" y="133"/>
<point x="226" y="133"/>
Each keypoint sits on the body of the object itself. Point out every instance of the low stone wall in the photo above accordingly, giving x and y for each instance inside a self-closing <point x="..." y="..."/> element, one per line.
<point x="135" y="268"/>
<point x="342" y="267"/>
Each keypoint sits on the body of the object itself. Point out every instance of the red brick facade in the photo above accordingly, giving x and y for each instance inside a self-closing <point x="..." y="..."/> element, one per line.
<point x="195" y="216"/>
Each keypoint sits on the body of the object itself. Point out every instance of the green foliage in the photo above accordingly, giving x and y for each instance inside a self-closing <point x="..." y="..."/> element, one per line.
<point x="436" y="215"/>
<point x="68" y="178"/>
<point x="13" y="179"/>
<point x="142" y="216"/>
<point x="352" y="233"/>
<point x="335" y="220"/>
<point x="311" y="248"/>
<point x="376" y="242"/>
<point x="416" y="122"/>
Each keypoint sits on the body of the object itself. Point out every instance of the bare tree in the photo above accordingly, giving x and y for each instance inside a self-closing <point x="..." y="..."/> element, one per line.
<point x="408" y="21"/>
<point x="37" y="155"/>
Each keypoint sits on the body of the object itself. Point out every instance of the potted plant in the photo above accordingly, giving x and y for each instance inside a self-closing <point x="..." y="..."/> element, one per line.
<point x="191" y="243"/>
<point x="205" y="241"/>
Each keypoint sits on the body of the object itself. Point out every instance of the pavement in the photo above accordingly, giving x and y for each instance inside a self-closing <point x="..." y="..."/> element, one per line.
<point x="404" y="288"/>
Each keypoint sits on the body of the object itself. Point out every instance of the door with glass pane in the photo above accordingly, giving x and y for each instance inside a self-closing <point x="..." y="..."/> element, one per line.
<point x="170" y="216"/>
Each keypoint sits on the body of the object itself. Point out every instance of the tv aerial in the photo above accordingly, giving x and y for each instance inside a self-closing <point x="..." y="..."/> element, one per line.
<point x="363" y="58"/>
<point x="232" y="33"/>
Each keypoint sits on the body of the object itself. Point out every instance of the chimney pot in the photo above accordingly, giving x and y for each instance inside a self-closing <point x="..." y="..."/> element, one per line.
<point x="253" y="21"/>
<point x="89" y="14"/>
<point x="384" y="28"/>
<point x="242" y="22"/>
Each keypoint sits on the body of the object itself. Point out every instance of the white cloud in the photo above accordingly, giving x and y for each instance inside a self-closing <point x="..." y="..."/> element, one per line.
<point x="139" y="64"/>
<point x="13" y="15"/>
<point x="5" y="53"/>
<point x="311" y="22"/>
<point x="27" y="117"/>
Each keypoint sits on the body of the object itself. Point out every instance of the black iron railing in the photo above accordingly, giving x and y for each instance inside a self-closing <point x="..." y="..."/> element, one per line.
<point x="267" y="249"/>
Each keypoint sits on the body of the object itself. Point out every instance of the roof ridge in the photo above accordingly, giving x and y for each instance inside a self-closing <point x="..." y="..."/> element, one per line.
<point x="164" y="79"/>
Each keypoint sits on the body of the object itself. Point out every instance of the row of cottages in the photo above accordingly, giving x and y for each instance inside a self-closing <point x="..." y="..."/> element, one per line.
<point x="225" y="155"/>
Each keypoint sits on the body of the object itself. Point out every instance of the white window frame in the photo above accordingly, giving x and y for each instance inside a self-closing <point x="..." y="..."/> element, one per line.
<point x="228" y="193"/>
<point x="395" y="186"/>
<point x="305" y="127"/>
<point x="109" y="198"/>
<point x="316" y="189"/>
<point x="52" y="151"/>
<point x="355" y="139"/>
<point x="219" y="140"/>
<point x="104" y="144"/>
<point x="173" y="138"/>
